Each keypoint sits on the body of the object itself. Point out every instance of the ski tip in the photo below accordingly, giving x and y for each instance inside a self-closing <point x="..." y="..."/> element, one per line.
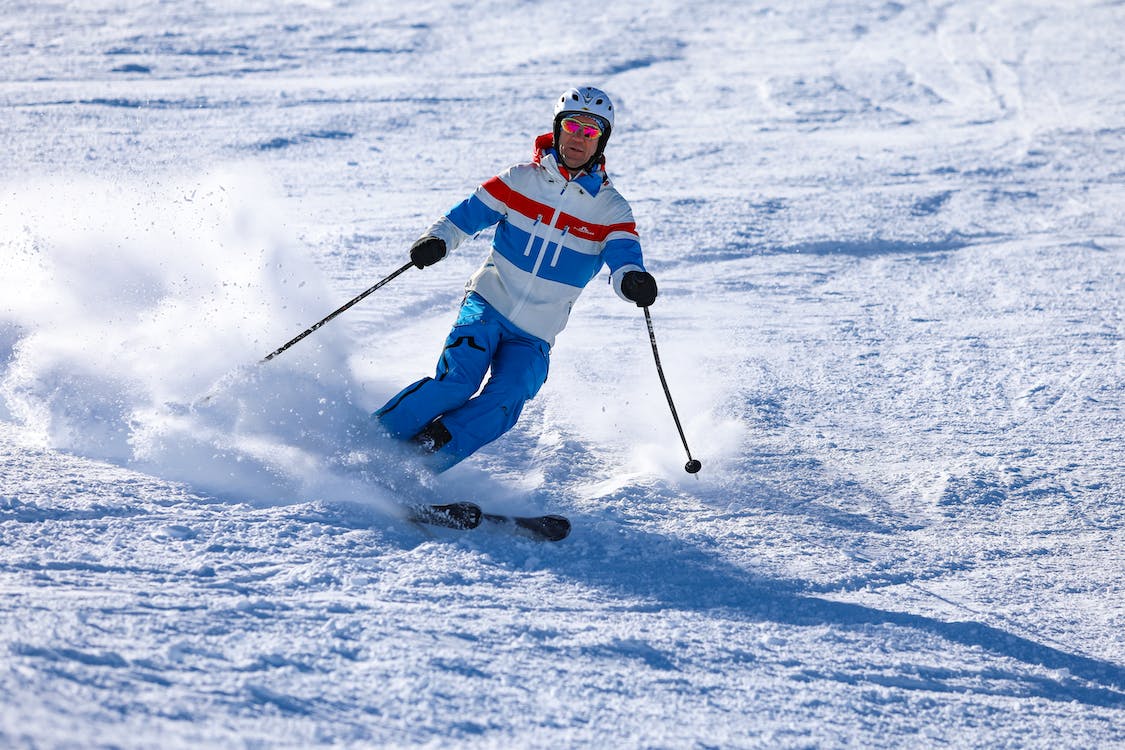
<point x="558" y="528"/>
<point x="545" y="528"/>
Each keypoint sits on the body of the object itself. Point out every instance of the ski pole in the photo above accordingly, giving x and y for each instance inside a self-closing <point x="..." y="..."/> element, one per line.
<point x="692" y="466"/>
<point x="336" y="312"/>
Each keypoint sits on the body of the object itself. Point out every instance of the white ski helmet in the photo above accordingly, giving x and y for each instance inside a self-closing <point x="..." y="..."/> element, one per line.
<point x="586" y="100"/>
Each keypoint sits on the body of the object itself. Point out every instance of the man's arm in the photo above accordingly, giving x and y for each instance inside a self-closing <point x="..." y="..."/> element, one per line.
<point x="477" y="212"/>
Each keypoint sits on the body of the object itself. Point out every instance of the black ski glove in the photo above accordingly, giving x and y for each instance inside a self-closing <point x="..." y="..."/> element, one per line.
<point x="640" y="287"/>
<point x="427" y="251"/>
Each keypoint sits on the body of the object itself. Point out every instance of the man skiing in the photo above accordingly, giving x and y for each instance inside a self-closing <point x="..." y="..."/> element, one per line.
<point x="558" y="220"/>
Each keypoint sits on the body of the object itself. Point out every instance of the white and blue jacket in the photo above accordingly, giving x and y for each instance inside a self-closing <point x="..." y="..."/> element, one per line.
<point x="554" y="230"/>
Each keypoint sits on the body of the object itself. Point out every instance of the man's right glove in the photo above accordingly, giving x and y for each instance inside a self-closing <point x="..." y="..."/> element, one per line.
<point x="427" y="251"/>
<point x="640" y="287"/>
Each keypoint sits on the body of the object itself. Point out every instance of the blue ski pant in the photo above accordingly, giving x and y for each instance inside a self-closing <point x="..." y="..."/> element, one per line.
<point x="481" y="340"/>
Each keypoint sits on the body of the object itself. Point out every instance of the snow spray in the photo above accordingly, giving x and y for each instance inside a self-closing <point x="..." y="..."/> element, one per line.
<point x="121" y="303"/>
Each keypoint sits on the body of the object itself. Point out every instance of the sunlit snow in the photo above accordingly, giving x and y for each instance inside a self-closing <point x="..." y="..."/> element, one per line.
<point x="889" y="243"/>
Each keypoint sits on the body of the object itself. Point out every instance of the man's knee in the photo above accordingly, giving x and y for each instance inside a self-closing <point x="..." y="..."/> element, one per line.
<point x="520" y="371"/>
<point x="465" y="358"/>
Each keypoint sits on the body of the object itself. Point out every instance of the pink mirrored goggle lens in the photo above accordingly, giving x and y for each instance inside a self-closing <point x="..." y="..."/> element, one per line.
<point x="584" y="129"/>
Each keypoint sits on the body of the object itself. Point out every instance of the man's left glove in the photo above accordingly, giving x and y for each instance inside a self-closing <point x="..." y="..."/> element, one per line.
<point x="427" y="251"/>
<point x="640" y="287"/>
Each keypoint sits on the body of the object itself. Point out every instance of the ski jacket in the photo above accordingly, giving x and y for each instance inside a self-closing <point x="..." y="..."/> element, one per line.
<point x="554" y="231"/>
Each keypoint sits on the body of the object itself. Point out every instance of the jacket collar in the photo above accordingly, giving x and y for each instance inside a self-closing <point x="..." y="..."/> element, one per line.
<point x="546" y="156"/>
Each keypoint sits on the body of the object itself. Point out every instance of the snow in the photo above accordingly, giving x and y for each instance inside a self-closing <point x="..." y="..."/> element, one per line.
<point x="889" y="247"/>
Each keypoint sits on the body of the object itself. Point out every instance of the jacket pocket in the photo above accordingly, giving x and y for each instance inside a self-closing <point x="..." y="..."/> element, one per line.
<point x="531" y="235"/>
<point x="559" y="248"/>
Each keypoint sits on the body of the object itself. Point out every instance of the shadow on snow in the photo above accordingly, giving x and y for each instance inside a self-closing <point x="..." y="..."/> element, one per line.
<point x="682" y="577"/>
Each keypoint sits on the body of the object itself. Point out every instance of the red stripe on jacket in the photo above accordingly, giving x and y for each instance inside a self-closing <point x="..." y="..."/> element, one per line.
<point x="537" y="211"/>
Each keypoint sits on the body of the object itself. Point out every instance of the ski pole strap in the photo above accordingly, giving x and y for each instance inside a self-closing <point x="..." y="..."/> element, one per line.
<point x="407" y="266"/>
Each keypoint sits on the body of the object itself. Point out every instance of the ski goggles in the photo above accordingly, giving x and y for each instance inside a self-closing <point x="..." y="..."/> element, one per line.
<point x="587" y="130"/>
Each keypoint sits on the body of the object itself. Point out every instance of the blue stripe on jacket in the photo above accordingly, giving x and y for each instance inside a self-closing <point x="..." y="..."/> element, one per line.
<point x="472" y="215"/>
<point x="573" y="268"/>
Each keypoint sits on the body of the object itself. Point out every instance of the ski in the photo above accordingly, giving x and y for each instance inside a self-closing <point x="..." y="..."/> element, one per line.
<point x="544" y="528"/>
<point x="464" y="516"/>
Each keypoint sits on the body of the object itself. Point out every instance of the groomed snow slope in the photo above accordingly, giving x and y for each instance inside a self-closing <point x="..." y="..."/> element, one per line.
<point x="888" y="237"/>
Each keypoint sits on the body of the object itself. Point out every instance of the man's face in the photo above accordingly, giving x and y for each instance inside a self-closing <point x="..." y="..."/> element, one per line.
<point x="576" y="148"/>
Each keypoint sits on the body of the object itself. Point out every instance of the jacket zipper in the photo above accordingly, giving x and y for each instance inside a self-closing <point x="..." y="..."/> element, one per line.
<point x="531" y="237"/>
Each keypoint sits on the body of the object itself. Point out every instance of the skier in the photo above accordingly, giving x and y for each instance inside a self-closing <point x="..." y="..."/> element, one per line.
<point x="558" y="220"/>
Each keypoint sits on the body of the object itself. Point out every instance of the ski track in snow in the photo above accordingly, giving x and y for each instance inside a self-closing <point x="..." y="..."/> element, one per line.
<point x="888" y="241"/>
